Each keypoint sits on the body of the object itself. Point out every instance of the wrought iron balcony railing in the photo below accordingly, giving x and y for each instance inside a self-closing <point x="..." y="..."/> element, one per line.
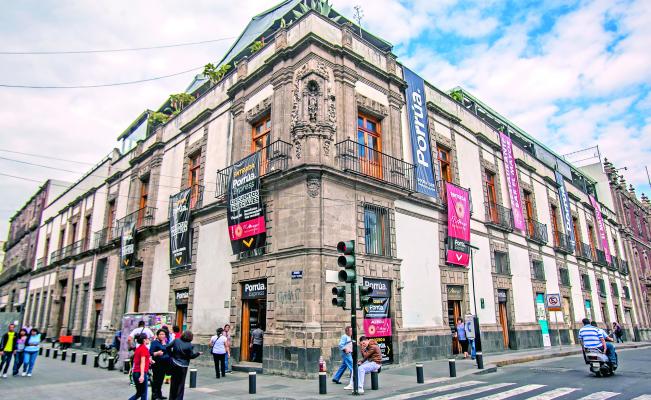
<point x="196" y="197"/>
<point x="614" y="263"/>
<point x="273" y="158"/>
<point x="536" y="231"/>
<point x="499" y="216"/>
<point x="562" y="243"/>
<point x="601" y="258"/>
<point x="623" y="267"/>
<point x="40" y="263"/>
<point x="142" y="218"/>
<point x="583" y="251"/>
<point x="105" y="236"/>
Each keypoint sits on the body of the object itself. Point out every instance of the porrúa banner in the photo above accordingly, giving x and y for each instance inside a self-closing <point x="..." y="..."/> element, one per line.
<point x="246" y="225"/>
<point x="418" y="126"/>
<point x="179" y="229"/>
<point x="458" y="250"/>
<point x="511" y="173"/>
<point x="128" y="245"/>
<point x="568" y="224"/>
<point x="377" y="317"/>
<point x="601" y="228"/>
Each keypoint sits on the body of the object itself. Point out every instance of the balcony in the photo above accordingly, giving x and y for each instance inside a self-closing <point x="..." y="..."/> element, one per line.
<point x="273" y="158"/>
<point x="562" y="243"/>
<point x="583" y="251"/>
<point x="536" y="232"/>
<point x="600" y="258"/>
<point x="196" y="197"/>
<point x="105" y="236"/>
<point x="614" y="264"/>
<point x="40" y="263"/>
<point x="623" y="267"/>
<point x="499" y="217"/>
<point x="142" y="218"/>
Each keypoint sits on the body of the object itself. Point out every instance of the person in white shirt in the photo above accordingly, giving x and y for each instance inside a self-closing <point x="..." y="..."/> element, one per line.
<point x="141" y="329"/>
<point x="219" y="348"/>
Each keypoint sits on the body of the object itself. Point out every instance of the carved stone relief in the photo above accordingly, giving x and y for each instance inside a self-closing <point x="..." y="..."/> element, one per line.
<point x="313" y="186"/>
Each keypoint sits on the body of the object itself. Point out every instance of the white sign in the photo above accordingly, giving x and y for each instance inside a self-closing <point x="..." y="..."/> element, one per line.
<point x="554" y="302"/>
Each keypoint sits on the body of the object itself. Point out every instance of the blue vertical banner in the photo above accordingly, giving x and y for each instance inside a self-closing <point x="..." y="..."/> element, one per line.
<point x="568" y="224"/>
<point x="418" y="126"/>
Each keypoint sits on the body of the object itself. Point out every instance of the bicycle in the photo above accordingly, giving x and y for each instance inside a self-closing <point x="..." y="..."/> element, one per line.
<point x="106" y="352"/>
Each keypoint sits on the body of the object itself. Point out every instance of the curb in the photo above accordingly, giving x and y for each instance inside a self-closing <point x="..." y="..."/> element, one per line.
<point x="537" y="357"/>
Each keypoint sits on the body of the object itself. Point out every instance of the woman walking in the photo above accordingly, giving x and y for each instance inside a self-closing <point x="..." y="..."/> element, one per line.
<point x="141" y="367"/>
<point x="619" y="332"/>
<point x="31" y="351"/>
<point x="219" y="348"/>
<point x="161" y="364"/>
<point x="20" y="350"/>
<point x="461" y="335"/>
<point x="181" y="352"/>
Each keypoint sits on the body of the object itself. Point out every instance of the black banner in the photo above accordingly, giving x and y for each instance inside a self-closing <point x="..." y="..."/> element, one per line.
<point x="386" y="348"/>
<point x="180" y="229"/>
<point x="128" y="245"/>
<point x="246" y="225"/>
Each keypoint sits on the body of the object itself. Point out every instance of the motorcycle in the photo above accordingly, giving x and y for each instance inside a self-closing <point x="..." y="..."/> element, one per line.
<point x="598" y="361"/>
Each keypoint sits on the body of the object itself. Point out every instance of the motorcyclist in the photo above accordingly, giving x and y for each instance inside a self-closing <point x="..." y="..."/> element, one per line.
<point x="595" y="338"/>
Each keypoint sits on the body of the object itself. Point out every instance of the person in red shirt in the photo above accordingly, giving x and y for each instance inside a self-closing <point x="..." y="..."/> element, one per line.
<point x="141" y="360"/>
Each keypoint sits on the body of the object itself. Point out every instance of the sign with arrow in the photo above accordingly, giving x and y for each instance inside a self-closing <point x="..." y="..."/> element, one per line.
<point x="458" y="251"/>
<point x="180" y="251"/>
<point x="128" y="245"/>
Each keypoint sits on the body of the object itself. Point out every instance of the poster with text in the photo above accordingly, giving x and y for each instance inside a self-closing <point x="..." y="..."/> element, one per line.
<point x="179" y="229"/>
<point x="458" y="250"/>
<point x="128" y="245"/>
<point x="378" y="324"/>
<point x="601" y="228"/>
<point x="512" y="182"/>
<point x="568" y="224"/>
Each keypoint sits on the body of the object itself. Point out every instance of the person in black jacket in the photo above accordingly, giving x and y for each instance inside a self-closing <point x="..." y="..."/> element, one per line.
<point x="161" y="366"/>
<point x="181" y="352"/>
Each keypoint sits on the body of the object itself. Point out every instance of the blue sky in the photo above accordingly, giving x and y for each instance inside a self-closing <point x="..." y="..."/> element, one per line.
<point x="572" y="73"/>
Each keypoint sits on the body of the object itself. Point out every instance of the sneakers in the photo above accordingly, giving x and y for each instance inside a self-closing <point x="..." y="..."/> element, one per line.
<point x="4" y="376"/>
<point x="23" y="374"/>
<point x="349" y="387"/>
<point x="360" y="391"/>
<point x="29" y="375"/>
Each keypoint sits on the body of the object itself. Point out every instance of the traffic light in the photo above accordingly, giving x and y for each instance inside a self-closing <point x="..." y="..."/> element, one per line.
<point x="365" y="296"/>
<point x="346" y="261"/>
<point x="340" y="299"/>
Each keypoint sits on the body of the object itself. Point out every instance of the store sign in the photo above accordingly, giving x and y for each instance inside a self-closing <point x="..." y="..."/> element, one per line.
<point x="601" y="228"/>
<point x="379" y="308"/>
<point x="511" y="173"/>
<point x="458" y="250"/>
<point x="246" y="225"/>
<point x="182" y="296"/>
<point x="420" y="140"/>
<point x="565" y="209"/>
<point x="377" y="316"/>
<point x="501" y="296"/>
<point x="386" y="348"/>
<point x="254" y="290"/>
<point x="128" y="245"/>
<point x="381" y="287"/>
<point x="179" y="229"/>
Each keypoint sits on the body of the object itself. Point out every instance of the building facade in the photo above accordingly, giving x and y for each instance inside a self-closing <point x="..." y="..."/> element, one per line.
<point x="325" y="111"/>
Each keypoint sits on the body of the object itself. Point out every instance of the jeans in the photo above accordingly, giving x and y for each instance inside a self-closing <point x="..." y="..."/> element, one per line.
<point x="18" y="361"/>
<point x="226" y="362"/>
<point x="220" y="363"/>
<point x="141" y="388"/>
<point x="29" y="361"/>
<point x="611" y="353"/>
<point x="346" y="363"/>
<point x="473" y="352"/>
<point x="362" y="370"/>
<point x="6" y="360"/>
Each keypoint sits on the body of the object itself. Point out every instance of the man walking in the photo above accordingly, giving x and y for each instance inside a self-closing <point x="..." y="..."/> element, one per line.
<point x="593" y="338"/>
<point x="256" y="344"/>
<point x="346" y="348"/>
<point x="371" y="361"/>
<point x="7" y="349"/>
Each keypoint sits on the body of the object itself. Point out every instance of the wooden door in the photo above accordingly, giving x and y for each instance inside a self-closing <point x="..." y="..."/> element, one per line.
<point x="504" y="322"/>
<point x="246" y="329"/>
<point x="454" y="313"/>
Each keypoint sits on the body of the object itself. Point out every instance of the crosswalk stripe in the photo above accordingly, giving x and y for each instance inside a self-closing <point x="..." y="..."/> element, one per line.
<point x="472" y="392"/>
<point x="512" y="392"/>
<point x="599" y="396"/>
<point x="552" y="394"/>
<point x="437" y="389"/>
<point x="643" y="397"/>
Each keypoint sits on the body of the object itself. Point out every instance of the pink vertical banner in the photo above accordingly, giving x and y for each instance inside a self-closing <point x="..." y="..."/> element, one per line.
<point x="458" y="225"/>
<point x="512" y="181"/>
<point x="601" y="228"/>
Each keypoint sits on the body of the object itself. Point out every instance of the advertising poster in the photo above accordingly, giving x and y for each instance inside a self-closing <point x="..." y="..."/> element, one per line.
<point x="128" y="245"/>
<point x="511" y="173"/>
<point x="458" y="251"/>
<point x="179" y="229"/>
<point x="377" y="317"/>
<point x="565" y="209"/>
<point x="246" y="225"/>
<point x="601" y="228"/>
<point x="542" y="319"/>
<point x="418" y="126"/>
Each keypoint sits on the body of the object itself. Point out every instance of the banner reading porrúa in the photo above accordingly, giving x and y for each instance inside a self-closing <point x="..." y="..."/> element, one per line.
<point x="458" y="250"/>
<point x="565" y="209"/>
<point x="512" y="181"/>
<point x="418" y="126"/>
<point x="179" y="229"/>
<point x="601" y="228"/>
<point x="246" y="225"/>
<point x="377" y="316"/>
<point x="128" y="245"/>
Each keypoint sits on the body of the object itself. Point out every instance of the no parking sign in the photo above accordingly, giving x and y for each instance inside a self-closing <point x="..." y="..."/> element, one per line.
<point x="554" y="302"/>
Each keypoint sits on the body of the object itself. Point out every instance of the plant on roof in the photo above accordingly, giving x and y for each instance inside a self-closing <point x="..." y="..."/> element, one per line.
<point x="214" y="73"/>
<point x="323" y="7"/>
<point x="157" y="118"/>
<point x="457" y="95"/>
<point x="180" y="100"/>
<point x="256" y="46"/>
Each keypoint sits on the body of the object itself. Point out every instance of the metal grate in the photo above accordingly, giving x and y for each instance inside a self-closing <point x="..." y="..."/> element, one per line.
<point x="377" y="230"/>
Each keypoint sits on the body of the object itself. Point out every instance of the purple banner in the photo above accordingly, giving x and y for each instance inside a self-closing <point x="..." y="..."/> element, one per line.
<point x="511" y="173"/>
<point x="601" y="228"/>
<point x="458" y="225"/>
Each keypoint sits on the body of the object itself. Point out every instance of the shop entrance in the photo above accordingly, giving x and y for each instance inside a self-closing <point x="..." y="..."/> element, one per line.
<point x="181" y="316"/>
<point x="503" y="316"/>
<point x="254" y="320"/>
<point x="455" y="298"/>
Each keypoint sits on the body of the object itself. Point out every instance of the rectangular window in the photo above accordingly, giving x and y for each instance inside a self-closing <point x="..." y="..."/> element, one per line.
<point x="501" y="263"/>
<point x="528" y="209"/>
<point x="87" y="228"/>
<point x="627" y="293"/>
<point x="602" y="287"/>
<point x="110" y="218"/>
<point x="577" y="236"/>
<point x="614" y="289"/>
<point x="491" y="196"/>
<point x="73" y="233"/>
<point x="46" y="248"/>
<point x="585" y="282"/>
<point x="555" y="225"/>
<point x="100" y="274"/>
<point x="565" y="276"/>
<point x="593" y="246"/>
<point x="62" y="236"/>
<point x="370" y="145"/>
<point x="260" y="139"/>
<point x="377" y="230"/>
<point x="538" y="270"/>
<point x="142" y="205"/>
<point x="194" y="169"/>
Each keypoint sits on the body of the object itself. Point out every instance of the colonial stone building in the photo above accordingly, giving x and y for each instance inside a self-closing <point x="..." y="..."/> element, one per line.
<point x="325" y="110"/>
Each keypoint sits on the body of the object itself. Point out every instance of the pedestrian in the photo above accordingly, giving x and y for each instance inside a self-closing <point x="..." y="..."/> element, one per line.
<point x="371" y="361"/>
<point x="31" y="351"/>
<point x="461" y="335"/>
<point x="161" y="365"/>
<point x="181" y="352"/>
<point x="219" y="348"/>
<point x="346" y="350"/>
<point x="7" y="348"/>
<point x="619" y="332"/>
<point x="139" y="330"/>
<point x="470" y="334"/>
<point x="141" y="361"/>
<point x="256" y="344"/>
<point x="20" y="350"/>
<point x="176" y="333"/>
<point x="227" y="333"/>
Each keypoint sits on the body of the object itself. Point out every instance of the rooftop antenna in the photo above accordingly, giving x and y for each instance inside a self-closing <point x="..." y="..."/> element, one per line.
<point x="358" y="15"/>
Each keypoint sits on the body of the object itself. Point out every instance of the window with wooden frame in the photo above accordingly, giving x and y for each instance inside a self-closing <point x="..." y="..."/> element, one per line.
<point x="445" y="167"/>
<point x="62" y="235"/>
<point x="370" y="145"/>
<point x="142" y="202"/>
<point x="111" y="218"/>
<point x="593" y="246"/>
<point x="194" y="170"/>
<point x="528" y="210"/>
<point x="87" y="228"/>
<point x="377" y="230"/>
<point x="260" y="139"/>
<point x="491" y="196"/>
<point x="554" y="212"/>
<point x="577" y="235"/>
<point x="46" y="248"/>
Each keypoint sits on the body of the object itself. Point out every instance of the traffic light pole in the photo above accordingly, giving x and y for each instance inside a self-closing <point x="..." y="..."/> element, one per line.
<point x="353" y="324"/>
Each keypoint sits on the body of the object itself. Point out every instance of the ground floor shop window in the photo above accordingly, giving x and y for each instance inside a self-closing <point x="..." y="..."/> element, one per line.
<point x="254" y="320"/>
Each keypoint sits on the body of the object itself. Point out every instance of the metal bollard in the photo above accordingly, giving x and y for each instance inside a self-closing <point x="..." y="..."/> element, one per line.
<point x="84" y="359"/>
<point x="40" y="351"/>
<point x="96" y="361"/>
<point x="111" y="363"/>
<point x="480" y="360"/>
<point x="252" y="376"/>
<point x="55" y="353"/>
<point x="193" y="378"/>
<point x="126" y="367"/>
<point x="453" y="367"/>
<point x="47" y="352"/>
<point x="420" y="376"/>
<point x="73" y="357"/>
<point x="323" y="379"/>
<point x="52" y="344"/>
<point x="375" y="381"/>
<point x="64" y="353"/>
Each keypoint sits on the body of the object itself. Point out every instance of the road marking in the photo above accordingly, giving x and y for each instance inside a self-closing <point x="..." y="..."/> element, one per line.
<point x="552" y="394"/>
<point x="599" y="396"/>
<point x="438" y="389"/>
<point x="472" y="392"/>
<point x="643" y="397"/>
<point x="512" y="392"/>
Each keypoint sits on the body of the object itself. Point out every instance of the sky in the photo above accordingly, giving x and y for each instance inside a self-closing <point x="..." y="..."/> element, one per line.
<point x="573" y="74"/>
